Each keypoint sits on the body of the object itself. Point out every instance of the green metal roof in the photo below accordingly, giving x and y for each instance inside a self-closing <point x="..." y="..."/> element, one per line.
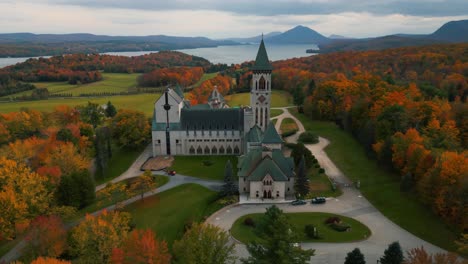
<point x="179" y="91"/>
<point x="212" y="119"/>
<point x="261" y="61"/>
<point x="254" y="135"/>
<point x="271" y="135"/>
<point x="255" y="168"/>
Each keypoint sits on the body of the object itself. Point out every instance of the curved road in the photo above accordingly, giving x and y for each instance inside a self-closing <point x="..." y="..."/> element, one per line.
<point x="351" y="204"/>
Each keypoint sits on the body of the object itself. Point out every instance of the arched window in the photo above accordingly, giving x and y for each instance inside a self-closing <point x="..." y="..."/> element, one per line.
<point x="229" y="150"/>
<point x="261" y="116"/>
<point x="261" y="84"/>
<point x="214" y="150"/>
<point x="192" y="150"/>
<point x="199" y="150"/>
<point x="207" y="150"/>
<point x="221" y="150"/>
<point x="266" y="116"/>
<point x="236" y="150"/>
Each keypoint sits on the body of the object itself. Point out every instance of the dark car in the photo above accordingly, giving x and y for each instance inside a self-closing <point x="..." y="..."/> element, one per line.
<point x="318" y="200"/>
<point x="298" y="202"/>
<point x="171" y="172"/>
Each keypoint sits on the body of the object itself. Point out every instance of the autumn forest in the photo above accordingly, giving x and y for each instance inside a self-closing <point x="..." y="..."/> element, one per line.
<point x="407" y="107"/>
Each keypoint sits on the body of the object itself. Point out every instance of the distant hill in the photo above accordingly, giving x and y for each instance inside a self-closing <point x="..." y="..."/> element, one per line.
<point x="29" y="45"/>
<point x="298" y="35"/>
<point x="453" y="31"/>
<point x="255" y="39"/>
<point x="334" y="36"/>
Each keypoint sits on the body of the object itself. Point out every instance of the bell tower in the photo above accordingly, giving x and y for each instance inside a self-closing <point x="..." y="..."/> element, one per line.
<point x="260" y="92"/>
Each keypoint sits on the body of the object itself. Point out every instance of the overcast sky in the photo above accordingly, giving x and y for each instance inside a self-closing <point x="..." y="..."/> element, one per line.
<point x="228" y="18"/>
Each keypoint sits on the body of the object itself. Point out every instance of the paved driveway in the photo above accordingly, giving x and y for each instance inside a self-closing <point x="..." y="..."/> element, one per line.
<point x="351" y="204"/>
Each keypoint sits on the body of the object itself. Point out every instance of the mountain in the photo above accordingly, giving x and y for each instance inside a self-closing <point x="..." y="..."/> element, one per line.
<point x="298" y="35"/>
<point x="453" y="31"/>
<point x="255" y="39"/>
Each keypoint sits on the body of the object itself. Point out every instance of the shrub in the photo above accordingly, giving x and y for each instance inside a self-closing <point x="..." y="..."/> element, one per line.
<point x="317" y="166"/>
<point x="290" y="145"/>
<point x="311" y="231"/>
<point x="314" y="161"/>
<point x="332" y="220"/>
<point x="308" y="138"/>
<point x="321" y="170"/>
<point x="208" y="163"/>
<point x="249" y="222"/>
<point x="340" y="227"/>
<point x="289" y="133"/>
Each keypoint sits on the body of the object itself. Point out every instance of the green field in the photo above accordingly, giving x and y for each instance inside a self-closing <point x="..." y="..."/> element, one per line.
<point x="275" y="112"/>
<point x="358" y="231"/>
<point x="288" y="126"/>
<point x="205" y="77"/>
<point x="120" y="161"/>
<point x="278" y="99"/>
<point x="167" y="213"/>
<point x="196" y="166"/>
<point x="140" y="102"/>
<point x="320" y="185"/>
<point x="381" y="188"/>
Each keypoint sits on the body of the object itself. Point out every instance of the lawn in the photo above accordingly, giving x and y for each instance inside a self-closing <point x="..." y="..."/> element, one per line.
<point x="275" y="112"/>
<point x="205" y="77"/>
<point x="278" y="99"/>
<point x="288" y="126"/>
<point x="204" y="167"/>
<point x="320" y="185"/>
<point x="141" y="102"/>
<point x="119" y="163"/>
<point x="103" y="199"/>
<point x="358" y="231"/>
<point x="380" y="187"/>
<point x="167" y="213"/>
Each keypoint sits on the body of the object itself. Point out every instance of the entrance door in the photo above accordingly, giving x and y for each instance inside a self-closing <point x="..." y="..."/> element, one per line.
<point x="269" y="194"/>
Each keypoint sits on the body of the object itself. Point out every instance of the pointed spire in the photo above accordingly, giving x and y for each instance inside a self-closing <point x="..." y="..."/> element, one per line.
<point x="262" y="62"/>
<point x="271" y="136"/>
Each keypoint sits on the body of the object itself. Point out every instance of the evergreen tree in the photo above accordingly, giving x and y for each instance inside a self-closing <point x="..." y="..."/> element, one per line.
<point x="311" y="87"/>
<point x="406" y="183"/>
<point x="278" y="242"/>
<point x="355" y="257"/>
<point x="393" y="254"/>
<point x="299" y="151"/>
<point x="67" y="192"/>
<point x="302" y="185"/>
<point x="86" y="187"/>
<point x="110" y="110"/>
<point x="102" y="148"/>
<point x="298" y="96"/>
<point x="229" y="187"/>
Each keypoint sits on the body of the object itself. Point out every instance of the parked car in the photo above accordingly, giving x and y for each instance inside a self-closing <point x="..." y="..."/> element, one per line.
<point x="171" y="172"/>
<point x="318" y="200"/>
<point x="298" y="202"/>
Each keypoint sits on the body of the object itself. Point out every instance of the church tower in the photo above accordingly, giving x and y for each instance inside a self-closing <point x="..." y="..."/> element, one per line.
<point x="260" y="92"/>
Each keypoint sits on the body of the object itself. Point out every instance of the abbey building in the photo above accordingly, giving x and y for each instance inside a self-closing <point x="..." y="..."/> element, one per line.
<point x="216" y="129"/>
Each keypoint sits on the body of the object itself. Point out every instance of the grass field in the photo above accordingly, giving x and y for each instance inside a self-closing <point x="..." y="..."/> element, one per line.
<point x="119" y="163"/>
<point x="167" y="213"/>
<point x="381" y="188"/>
<point x="288" y="125"/>
<point x="275" y="112"/>
<point x="140" y="102"/>
<point x="205" y="77"/>
<point x="197" y="167"/>
<point x="358" y="231"/>
<point x="278" y="99"/>
<point x="320" y="185"/>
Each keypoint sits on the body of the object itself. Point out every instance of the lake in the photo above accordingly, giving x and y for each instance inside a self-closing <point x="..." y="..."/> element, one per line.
<point x="221" y="54"/>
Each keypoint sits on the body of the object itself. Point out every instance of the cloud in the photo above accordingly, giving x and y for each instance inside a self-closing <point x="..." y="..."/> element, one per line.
<point x="288" y="7"/>
<point x="42" y="17"/>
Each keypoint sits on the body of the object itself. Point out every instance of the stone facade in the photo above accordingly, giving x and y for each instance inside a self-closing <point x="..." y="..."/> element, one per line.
<point x="215" y="129"/>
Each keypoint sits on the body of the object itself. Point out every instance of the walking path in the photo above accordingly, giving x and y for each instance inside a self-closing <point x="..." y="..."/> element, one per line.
<point x="351" y="204"/>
